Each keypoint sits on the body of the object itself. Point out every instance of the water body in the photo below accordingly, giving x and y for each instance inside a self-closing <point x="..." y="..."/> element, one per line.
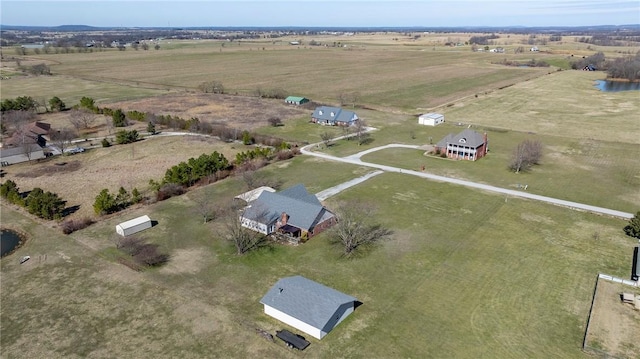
<point x="616" y="86"/>
<point x="9" y="240"/>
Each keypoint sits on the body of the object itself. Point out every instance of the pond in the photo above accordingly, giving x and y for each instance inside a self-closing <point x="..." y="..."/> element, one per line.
<point x="616" y="86"/>
<point x="9" y="240"/>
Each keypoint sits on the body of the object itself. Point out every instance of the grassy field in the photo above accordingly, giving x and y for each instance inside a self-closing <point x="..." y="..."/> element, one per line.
<point x="467" y="274"/>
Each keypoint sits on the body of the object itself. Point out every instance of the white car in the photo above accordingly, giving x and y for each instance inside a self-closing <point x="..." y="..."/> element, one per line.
<point x="74" y="150"/>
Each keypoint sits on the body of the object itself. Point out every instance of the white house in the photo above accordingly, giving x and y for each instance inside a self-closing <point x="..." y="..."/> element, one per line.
<point x="431" y="119"/>
<point x="306" y="305"/>
<point x="133" y="226"/>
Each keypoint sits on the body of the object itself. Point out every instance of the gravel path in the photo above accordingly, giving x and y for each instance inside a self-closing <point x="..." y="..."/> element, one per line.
<point x="355" y="159"/>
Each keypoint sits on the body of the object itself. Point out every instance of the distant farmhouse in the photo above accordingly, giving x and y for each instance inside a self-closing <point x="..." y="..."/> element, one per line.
<point x="467" y="145"/>
<point x="307" y="305"/>
<point x="293" y="212"/>
<point x="295" y="100"/>
<point x="431" y="119"/>
<point x="333" y="116"/>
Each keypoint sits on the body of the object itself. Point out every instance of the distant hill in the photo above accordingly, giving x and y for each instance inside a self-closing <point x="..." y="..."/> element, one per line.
<point x="514" y="28"/>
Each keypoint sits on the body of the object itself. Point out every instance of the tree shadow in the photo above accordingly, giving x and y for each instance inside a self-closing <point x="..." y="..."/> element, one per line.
<point x="70" y="210"/>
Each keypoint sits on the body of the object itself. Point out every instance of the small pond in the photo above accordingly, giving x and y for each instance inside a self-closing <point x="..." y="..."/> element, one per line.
<point x="615" y="86"/>
<point x="9" y="240"/>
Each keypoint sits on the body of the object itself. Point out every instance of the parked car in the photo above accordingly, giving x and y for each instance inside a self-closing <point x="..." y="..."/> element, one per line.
<point x="73" y="151"/>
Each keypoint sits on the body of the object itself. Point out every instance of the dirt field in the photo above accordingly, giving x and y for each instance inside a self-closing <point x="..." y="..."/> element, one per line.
<point x="615" y="326"/>
<point x="237" y="111"/>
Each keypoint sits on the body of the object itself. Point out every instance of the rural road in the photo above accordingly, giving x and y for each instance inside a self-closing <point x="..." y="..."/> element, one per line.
<point x="355" y="159"/>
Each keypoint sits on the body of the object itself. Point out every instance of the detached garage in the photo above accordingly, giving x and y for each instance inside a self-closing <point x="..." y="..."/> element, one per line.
<point x="133" y="226"/>
<point x="431" y="119"/>
<point x="307" y="305"/>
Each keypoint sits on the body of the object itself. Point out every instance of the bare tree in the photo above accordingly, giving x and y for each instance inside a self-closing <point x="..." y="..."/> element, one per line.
<point x="326" y="138"/>
<point x="62" y="138"/>
<point x="205" y="206"/>
<point x="243" y="239"/>
<point x="17" y="120"/>
<point x="361" y="133"/>
<point x="525" y="155"/>
<point x="356" y="228"/>
<point x="254" y="179"/>
<point x="81" y="119"/>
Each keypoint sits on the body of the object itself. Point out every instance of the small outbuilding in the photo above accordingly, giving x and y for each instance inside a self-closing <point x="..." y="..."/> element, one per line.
<point x="431" y="119"/>
<point x="296" y="100"/>
<point x="133" y="226"/>
<point x="308" y="306"/>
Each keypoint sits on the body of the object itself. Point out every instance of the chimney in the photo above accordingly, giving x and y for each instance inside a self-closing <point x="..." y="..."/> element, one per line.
<point x="486" y="144"/>
<point x="283" y="218"/>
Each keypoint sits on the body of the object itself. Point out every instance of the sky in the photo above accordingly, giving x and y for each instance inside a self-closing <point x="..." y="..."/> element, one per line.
<point x="320" y="13"/>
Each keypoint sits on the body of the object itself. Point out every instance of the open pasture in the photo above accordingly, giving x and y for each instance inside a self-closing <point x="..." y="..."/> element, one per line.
<point x="405" y="77"/>
<point x="467" y="274"/>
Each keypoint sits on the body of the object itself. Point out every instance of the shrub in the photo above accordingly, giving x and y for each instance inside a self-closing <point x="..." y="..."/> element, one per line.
<point x="105" y="143"/>
<point x="169" y="190"/>
<point x="71" y="225"/>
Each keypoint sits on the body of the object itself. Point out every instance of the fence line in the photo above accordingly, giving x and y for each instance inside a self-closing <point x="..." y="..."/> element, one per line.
<point x="618" y="280"/>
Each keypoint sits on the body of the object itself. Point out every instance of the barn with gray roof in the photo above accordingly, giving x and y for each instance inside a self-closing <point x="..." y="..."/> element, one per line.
<point x="293" y="211"/>
<point x="308" y="306"/>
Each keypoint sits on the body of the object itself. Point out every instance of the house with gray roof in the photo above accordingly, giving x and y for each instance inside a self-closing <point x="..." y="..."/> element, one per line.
<point x="293" y="211"/>
<point x="333" y="116"/>
<point x="24" y="153"/>
<point x="308" y="306"/>
<point x="466" y="145"/>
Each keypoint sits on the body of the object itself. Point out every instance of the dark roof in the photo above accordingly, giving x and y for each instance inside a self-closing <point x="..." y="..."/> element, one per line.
<point x="304" y="209"/>
<point x="12" y="151"/>
<point x="296" y="99"/>
<point x="334" y="114"/>
<point x="467" y="137"/>
<point x="635" y="270"/>
<point x="306" y="300"/>
<point x="299" y="342"/>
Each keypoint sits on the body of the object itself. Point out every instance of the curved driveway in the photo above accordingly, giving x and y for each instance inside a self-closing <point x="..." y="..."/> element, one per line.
<point x="355" y="159"/>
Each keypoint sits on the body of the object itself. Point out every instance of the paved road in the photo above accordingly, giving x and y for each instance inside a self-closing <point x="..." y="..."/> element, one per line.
<point x="329" y="192"/>
<point x="355" y="159"/>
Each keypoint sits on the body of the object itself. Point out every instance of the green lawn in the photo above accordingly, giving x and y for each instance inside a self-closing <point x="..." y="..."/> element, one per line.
<point x="466" y="273"/>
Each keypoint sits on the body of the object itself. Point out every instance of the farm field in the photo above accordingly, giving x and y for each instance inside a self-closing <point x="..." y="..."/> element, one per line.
<point x="467" y="274"/>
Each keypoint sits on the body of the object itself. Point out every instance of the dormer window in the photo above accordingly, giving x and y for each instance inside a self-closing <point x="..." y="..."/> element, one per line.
<point x="333" y="114"/>
<point x="320" y="112"/>
<point x="463" y="140"/>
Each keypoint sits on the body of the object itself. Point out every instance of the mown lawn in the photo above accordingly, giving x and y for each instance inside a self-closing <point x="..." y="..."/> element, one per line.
<point x="466" y="273"/>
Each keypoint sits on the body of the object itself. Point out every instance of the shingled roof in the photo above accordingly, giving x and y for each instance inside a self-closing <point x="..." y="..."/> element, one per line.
<point x="467" y="137"/>
<point x="304" y="209"/>
<point x="308" y="301"/>
<point x="334" y="114"/>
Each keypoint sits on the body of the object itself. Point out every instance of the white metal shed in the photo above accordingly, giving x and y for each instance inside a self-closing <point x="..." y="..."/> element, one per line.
<point x="133" y="226"/>
<point x="431" y="119"/>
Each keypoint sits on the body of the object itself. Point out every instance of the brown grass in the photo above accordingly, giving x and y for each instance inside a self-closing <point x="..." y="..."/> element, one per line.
<point x="615" y="326"/>
<point x="79" y="178"/>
